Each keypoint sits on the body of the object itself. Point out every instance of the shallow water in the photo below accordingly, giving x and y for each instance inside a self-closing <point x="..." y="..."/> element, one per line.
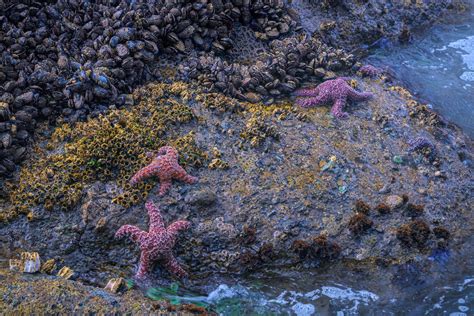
<point x="442" y="285"/>
<point x="439" y="67"/>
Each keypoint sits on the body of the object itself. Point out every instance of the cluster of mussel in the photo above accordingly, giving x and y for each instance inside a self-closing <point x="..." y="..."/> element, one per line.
<point x="74" y="58"/>
<point x="277" y="72"/>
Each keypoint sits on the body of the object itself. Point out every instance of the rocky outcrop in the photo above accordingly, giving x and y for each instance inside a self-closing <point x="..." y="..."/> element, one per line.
<point x="30" y="294"/>
<point x="286" y="199"/>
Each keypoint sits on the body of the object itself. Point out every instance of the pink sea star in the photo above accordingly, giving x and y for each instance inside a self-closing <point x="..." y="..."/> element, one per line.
<point x="369" y="71"/>
<point x="337" y="91"/>
<point x="157" y="243"/>
<point x="164" y="166"/>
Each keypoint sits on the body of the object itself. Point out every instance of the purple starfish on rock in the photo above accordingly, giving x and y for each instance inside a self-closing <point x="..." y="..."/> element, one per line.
<point x="157" y="243"/>
<point x="336" y="91"/>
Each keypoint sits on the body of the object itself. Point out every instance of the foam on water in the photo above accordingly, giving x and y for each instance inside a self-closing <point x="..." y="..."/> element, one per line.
<point x="346" y="299"/>
<point x="460" y="297"/>
<point x="466" y="46"/>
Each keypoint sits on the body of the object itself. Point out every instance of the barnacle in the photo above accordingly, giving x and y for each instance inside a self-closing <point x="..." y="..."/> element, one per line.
<point x="256" y="130"/>
<point x="110" y="147"/>
<point x="220" y="102"/>
<point x="218" y="163"/>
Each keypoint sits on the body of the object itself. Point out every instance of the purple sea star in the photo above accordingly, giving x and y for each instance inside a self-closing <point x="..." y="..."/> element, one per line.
<point x="164" y="166"/>
<point x="157" y="243"/>
<point x="369" y="71"/>
<point x="337" y="91"/>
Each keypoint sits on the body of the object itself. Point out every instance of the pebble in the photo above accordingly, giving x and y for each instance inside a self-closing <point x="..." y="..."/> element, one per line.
<point x="114" y="285"/>
<point x="394" y="201"/>
<point x="201" y="198"/>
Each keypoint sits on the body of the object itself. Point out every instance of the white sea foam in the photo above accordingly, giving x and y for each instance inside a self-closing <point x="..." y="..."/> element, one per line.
<point x="300" y="303"/>
<point x="466" y="45"/>
<point x="301" y="309"/>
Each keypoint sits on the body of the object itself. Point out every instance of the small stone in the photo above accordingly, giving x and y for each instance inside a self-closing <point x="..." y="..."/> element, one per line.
<point x="48" y="267"/>
<point x="202" y="198"/>
<point x="397" y="159"/>
<point x="65" y="273"/>
<point x="440" y="174"/>
<point x="114" y="285"/>
<point x="394" y="201"/>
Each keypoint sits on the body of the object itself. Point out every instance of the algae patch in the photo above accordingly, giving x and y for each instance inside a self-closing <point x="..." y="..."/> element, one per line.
<point x="111" y="147"/>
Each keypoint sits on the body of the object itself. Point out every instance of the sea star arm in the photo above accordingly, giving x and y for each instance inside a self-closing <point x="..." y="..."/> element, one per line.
<point x="175" y="227"/>
<point x="168" y="151"/>
<point x="336" y="109"/>
<point x="181" y="174"/>
<point x="144" y="265"/>
<point x="143" y="174"/>
<point x="156" y="221"/>
<point x="359" y="96"/>
<point x="309" y="92"/>
<point x="173" y="266"/>
<point x="309" y="102"/>
<point x="135" y="233"/>
<point x="165" y="185"/>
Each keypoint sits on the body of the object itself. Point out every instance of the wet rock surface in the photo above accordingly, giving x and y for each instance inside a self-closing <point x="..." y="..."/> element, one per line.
<point x="348" y="23"/>
<point x="279" y="186"/>
<point x="280" y="199"/>
<point x="22" y="294"/>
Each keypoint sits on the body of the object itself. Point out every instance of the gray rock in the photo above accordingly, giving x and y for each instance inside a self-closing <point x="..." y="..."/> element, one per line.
<point x="394" y="201"/>
<point x="201" y="198"/>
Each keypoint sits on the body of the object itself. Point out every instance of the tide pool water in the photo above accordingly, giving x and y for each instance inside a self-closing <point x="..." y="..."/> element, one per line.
<point x="338" y="299"/>
<point x="439" y="68"/>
